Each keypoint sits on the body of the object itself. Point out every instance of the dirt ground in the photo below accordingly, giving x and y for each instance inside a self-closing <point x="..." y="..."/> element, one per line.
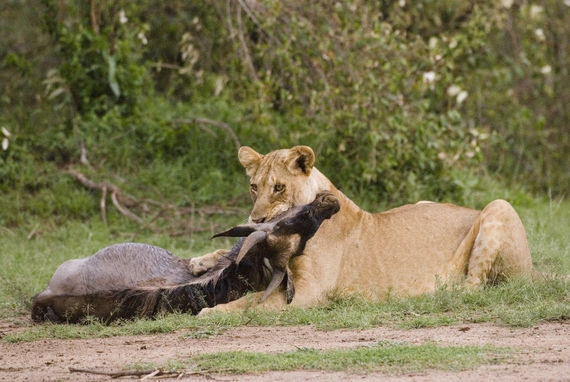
<point x="542" y="352"/>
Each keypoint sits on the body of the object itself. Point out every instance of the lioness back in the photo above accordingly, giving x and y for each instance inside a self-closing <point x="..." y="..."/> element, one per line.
<point x="401" y="250"/>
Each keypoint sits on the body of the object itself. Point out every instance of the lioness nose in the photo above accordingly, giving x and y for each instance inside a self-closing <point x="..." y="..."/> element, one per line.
<point x="258" y="220"/>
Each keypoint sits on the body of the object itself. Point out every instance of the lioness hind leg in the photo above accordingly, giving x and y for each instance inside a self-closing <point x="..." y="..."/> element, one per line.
<point x="501" y="247"/>
<point x="199" y="265"/>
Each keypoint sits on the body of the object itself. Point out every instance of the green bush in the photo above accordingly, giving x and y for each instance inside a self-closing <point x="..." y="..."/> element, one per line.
<point x="400" y="100"/>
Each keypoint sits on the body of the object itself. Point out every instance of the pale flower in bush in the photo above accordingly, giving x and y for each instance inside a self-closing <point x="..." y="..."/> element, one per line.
<point x="546" y="69"/>
<point x="462" y="96"/>
<point x="5" y="141"/>
<point x="433" y="41"/>
<point x="122" y="17"/>
<point x="142" y="37"/>
<point x="429" y="77"/>
<point x="539" y="33"/>
<point x="535" y="11"/>
<point x="453" y="90"/>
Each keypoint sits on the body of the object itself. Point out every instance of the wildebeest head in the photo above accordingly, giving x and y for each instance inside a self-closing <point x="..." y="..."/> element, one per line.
<point x="284" y="237"/>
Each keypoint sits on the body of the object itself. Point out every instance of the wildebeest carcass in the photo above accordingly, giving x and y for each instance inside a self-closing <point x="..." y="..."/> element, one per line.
<point x="130" y="280"/>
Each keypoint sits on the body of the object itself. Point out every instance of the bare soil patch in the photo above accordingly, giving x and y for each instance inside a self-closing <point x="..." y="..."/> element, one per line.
<point x="542" y="352"/>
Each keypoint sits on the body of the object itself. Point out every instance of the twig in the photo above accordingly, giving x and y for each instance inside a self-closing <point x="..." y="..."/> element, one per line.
<point x="93" y="16"/>
<point x="244" y="47"/>
<point x="83" y="157"/>
<point x="103" y="205"/>
<point x="160" y="65"/>
<point x="60" y="11"/>
<point x="229" y="18"/>
<point x="91" y="184"/>
<point x="222" y="125"/>
<point x="253" y="18"/>
<point x="200" y="373"/>
<point x="157" y="371"/>
<point x="145" y="374"/>
<point x="123" y="209"/>
<point x="212" y="122"/>
<point x="116" y="373"/>
<point x="151" y="208"/>
<point x="33" y="232"/>
<point x="207" y="130"/>
<point x="104" y="188"/>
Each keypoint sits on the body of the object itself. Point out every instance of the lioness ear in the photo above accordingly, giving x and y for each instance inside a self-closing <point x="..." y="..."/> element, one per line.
<point x="249" y="158"/>
<point x="301" y="159"/>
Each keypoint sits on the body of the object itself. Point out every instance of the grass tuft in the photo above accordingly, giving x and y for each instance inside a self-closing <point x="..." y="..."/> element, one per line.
<point x="391" y="357"/>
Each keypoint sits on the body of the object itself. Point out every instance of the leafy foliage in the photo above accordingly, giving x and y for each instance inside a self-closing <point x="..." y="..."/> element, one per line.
<point x="399" y="99"/>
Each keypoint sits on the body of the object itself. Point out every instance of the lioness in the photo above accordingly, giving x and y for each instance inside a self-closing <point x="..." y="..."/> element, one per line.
<point x="407" y="250"/>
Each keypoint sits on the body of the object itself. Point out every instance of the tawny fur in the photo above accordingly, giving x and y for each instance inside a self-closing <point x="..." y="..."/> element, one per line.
<point x="405" y="251"/>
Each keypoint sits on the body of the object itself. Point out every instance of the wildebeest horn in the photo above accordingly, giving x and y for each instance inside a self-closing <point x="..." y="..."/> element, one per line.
<point x="238" y="231"/>
<point x="273" y="284"/>
<point x="253" y="239"/>
<point x="290" y="290"/>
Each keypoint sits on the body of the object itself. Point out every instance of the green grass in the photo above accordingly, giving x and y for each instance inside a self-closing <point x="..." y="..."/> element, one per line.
<point x="390" y="357"/>
<point x="27" y="265"/>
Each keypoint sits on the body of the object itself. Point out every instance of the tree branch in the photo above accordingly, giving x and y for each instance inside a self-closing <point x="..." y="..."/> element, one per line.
<point x="253" y="18"/>
<point x="150" y="210"/>
<point x="247" y="57"/>
<point x="212" y="122"/>
<point x="93" y="16"/>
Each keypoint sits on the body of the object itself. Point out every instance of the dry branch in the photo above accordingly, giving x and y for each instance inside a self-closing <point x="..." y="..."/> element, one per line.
<point x="164" y="65"/>
<point x="103" y="205"/>
<point x="148" y="211"/>
<point x="93" y="16"/>
<point x="212" y="122"/>
<point x="254" y="18"/>
<point x="246" y="54"/>
<point x="83" y="157"/>
<point x="125" y="373"/>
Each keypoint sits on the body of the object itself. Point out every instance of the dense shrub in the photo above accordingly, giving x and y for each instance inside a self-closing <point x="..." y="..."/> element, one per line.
<point x="396" y="97"/>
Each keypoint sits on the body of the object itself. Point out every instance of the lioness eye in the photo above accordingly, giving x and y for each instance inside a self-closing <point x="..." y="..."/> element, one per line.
<point x="253" y="187"/>
<point x="278" y="187"/>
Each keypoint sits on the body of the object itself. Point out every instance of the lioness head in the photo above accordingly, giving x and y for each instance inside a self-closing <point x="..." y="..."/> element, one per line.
<point x="279" y="180"/>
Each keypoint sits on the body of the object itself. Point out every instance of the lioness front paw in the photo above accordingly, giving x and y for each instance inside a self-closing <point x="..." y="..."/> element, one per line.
<point x="199" y="265"/>
<point x="218" y="308"/>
